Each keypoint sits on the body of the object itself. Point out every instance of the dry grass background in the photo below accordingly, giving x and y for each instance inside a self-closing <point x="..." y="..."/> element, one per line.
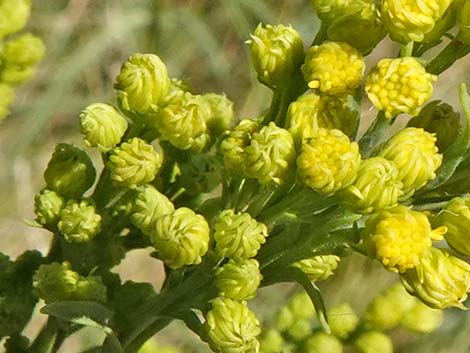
<point x="202" y="41"/>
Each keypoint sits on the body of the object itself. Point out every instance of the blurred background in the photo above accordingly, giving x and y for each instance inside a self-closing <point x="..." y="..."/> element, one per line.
<point x="201" y="41"/>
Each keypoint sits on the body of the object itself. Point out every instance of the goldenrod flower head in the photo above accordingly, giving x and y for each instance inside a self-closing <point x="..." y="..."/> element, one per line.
<point x="70" y="171"/>
<point x="182" y="121"/>
<point x="221" y="114"/>
<point x="410" y="20"/>
<point x="231" y="327"/>
<point x="276" y="52"/>
<point x="342" y="320"/>
<point x="387" y="309"/>
<point x="148" y="207"/>
<point x="181" y="238"/>
<point x="233" y="146"/>
<point x="7" y="96"/>
<point x="318" y="268"/>
<point x="414" y="153"/>
<point x="47" y="207"/>
<point x="24" y="50"/>
<point x="440" y="120"/>
<point x="333" y="68"/>
<point x="238" y="236"/>
<point x="455" y="216"/>
<point x="398" y="237"/>
<point x="422" y="319"/>
<point x="271" y="342"/>
<point x="13" y="15"/>
<point x="376" y="187"/>
<point x="269" y="155"/>
<point x="238" y="279"/>
<point x="79" y="223"/>
<point x="323" y="343"/>
<point x="373" y="342"/>
<point x="301" y="306"/>
<point x="142" y="83"/>
<point x="398" y="86"/>
<point x="443" y="24"/>
<point x="135" y="162"/>
<point x="440" y="280"/>
<point x="329" y="161"/>
<point x="102" y="126"/>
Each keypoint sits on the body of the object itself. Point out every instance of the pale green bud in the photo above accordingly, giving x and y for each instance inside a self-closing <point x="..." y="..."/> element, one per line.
<point x="318" y="268"/>
<point x="414" y="153"/>
<point x="90" y="288"/>
<point x="272" y="342"/>
<point x="342" y="320"/>
<point x="328" y="10"/>
<point x="221" y="113"/>
<point x="135" y="162"/>
<point x="443" y="24"/>
<point x="47" y="207"/>
<point x="15" y="75"/>
<point x="373" y="342"/>
<point x="238" y="236"/>
<point x="285" y="318"/>
<point x="422" y="319"/>
<point x="270" y="154"/>
<point x="70" y="171"/>
<point x="323" y="343"/>
<point x="182" y="121"/>
<point x="7" y="96"/>
<point x="455" y="216"/>
<point x="376" y="187"/>
<point x="233" y="146"/>
<point x="177" y="88"/>
<point x="142" y="83"/>
<point x="329" y="161"/>
<point x="181" y="238"/>
<point x="440" y="280"/>
<point x="440" y="120"/>
<point x="149" y="205"/>
<point x="79" y="223"/>
<point x="276" y="52"/>
<point x="300" y="329"/>
<point x="24" y="50"/>
<point x="102" y="126"/>
<point x="231" y="327"/>
<point x="55" y="282"/>
<point x="333" y="68"/>
<point x="238" y="279"/>
<point x="301" y="306"/>
<point x="13" y="15"/>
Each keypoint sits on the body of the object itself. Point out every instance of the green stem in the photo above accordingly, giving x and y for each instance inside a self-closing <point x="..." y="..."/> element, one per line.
<point x="448" y="56"/>
<point x="321" y="35"/>
<point x="275" y="102"/>
<point x="406" y="50"/>
<point x="45" y="341"/>
<point x="374" y="134"/>
<point x="146" y="334"/>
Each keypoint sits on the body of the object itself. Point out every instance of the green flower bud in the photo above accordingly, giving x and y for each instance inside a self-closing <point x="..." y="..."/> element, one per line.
<point x="24" y="50"/>
<point x="285" y="318"/>
<point x="463" y="19"/>
<point x="55" y="282"/>
<point x="271" y="342"/>
<point x="182" y="121"/>
<point x="422" y="319"/>
<point x="455" y="216"/>
<point x="333" y="68"/>
<point x="15" y="75"/>
<point x="328" y="10"/>
<point x="301" y="306"/>
<point x="416" y="156"/>
<point x="47" y="207"/>
<point x="70" y="171"/>
<point x="7" y="96"/>
<point x="79" y="223"/>
<point x="440" y="120"/>
<point x="238" y="279"/>
<point x="443" y="24"/>
<point x="221" y="112"/>
<point x="238" y="236"/>
<point x="142" y="83"/>
<point x="231" y="327"/>
<point x="233" y="146"/>
<point x="135" y="162"/>
<point x="181" y="238"/>
<point x="270" y="154"/>
<point x="329" y="161"/>
<point x="398" y="86"/>
<point x="13" y="15"/>
<point x="177" y="88"/>
<point x="148" y="207"/>
<point x="276" y="52"/>
<point x="376" y="187"/>
<point x="323" y="343"/>
<point x="90" y="288"/>
<point x="398" y="237"/>
<point x="439" y="280"/>
<point x="318" y="268"/>
<point x="373" y="342"/>
<point x="407" y="20"/>
<point x="300" y="330"/>
<point x="342" y="320"/>
<point x="387" y="309"/>
<point x="102" y="126"/>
